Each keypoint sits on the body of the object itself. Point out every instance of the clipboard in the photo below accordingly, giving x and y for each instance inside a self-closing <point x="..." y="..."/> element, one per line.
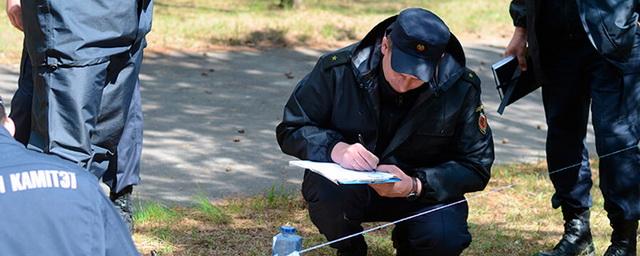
<point x="342" y="176"/>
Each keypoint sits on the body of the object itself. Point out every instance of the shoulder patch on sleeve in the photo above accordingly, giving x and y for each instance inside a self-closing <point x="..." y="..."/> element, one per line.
<point x="335" y="58"/>
<point x="483" y="123"/>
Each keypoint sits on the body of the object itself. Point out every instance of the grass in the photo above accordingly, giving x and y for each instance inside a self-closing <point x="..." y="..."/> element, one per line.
<point x="203" y="24"/>
<point x="517" y="221"/>
<point x="211" y="212"/>
<point x="155" y="212"/>
<point x="200" y="23"/>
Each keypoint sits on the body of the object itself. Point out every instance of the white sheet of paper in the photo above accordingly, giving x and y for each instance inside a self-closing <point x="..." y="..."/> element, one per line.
<point x="339" y="175"/>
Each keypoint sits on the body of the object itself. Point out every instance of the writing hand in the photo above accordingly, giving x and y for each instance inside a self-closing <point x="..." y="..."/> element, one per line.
<point x="354" y="157"/>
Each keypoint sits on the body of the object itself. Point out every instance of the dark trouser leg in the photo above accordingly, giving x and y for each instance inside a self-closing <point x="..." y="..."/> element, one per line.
<point x="616" y="99"/>
<point x="125" y="171"/>
<point x="65" y="108"/>
<point x="616" y="114"/>
<point x="337" y="211"/>
<point x="84" y="81"/>
<point x="443" y="232"/>
<point x="79" y="113"/>
<point x="21" y="101"/>
<point x="566" y="104"/>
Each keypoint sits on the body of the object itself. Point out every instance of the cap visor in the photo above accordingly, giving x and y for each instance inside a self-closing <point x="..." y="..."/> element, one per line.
<point x="402" y="62"/>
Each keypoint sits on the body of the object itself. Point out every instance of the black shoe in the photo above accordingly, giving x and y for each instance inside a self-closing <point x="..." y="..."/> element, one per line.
<point x="122" y="203"/>
<point x="576" y="241"/>
<point x="623" y="238"/>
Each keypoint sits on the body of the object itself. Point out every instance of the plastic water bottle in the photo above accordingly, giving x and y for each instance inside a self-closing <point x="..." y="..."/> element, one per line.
<point x="286" y="242"/>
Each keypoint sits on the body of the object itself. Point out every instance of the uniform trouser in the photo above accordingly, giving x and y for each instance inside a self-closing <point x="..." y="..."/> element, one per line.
<point x="577" y="76"/>
<point x="90" y="115"/>
<point x="338" y="211"/>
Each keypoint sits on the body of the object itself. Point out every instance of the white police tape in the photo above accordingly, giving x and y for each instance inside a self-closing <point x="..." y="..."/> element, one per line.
<point x="603" y="156"/>
<point x="447" y="205"/>
<point x="401" y="220"/>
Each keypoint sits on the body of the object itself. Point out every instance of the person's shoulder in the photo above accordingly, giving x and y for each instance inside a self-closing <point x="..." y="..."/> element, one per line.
<point x="471" y="78"/>
<point x="336" y="58"/>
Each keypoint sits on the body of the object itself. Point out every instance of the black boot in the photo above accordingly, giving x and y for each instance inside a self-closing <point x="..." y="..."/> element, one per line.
<point x="577" y="236"/>
<point x="122" y="203"/>
<point x="623" y="238"/>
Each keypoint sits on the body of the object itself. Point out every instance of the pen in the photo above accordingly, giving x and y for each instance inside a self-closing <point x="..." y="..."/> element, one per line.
<point x="361" y="141"/>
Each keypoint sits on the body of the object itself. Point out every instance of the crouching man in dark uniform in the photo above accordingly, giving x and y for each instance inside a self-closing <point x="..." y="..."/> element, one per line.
<point x="53" y="207"/>
<point x="400" y="101"/>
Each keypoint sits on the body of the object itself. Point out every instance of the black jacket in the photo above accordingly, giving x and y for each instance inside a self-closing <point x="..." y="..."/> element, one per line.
<point x="612" y="27"/>
<point x="439" y="141"/>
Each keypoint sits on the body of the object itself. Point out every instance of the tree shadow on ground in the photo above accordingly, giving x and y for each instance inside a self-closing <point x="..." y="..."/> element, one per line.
<point x="210" y="120"/>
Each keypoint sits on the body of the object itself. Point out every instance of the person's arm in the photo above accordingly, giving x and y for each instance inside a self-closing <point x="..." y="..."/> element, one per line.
<point x="518" y="44"/>
<point x="518" y="12"/>
<point x="305" y="131"/>
<point x="117" y="239"/>
<point x="14" y="12"/>
<point x="470" y="169"/>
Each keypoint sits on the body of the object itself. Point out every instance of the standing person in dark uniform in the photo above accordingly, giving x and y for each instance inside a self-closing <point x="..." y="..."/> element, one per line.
<point x="79" y="92"/>
<point x="587" y="53"/>
<point x="53" y="207"/>
<point x="400" y="101"/>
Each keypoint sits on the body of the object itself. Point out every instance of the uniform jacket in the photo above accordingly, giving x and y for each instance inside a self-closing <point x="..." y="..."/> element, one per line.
<point x="439" y="141"/>
<point x="53" y="207"/>
<point x="612" y="27"/>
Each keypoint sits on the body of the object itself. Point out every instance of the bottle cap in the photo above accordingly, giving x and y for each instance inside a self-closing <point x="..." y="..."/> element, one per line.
<point x="287" y="230"/>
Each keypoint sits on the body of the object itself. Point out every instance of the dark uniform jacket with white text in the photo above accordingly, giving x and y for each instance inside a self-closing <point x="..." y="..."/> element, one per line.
<point x="50" y="206"/>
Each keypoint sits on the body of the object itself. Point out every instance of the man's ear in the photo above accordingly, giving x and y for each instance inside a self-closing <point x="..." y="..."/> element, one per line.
<point x="9" y="125"/>
<point x="384" y="46"/>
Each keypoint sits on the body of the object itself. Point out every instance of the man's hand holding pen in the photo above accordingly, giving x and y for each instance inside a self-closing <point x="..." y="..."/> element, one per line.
<point x="354" y="156"/>
<point x="357" y="157"/>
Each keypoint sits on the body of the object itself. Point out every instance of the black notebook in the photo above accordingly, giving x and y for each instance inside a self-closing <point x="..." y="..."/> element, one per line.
<point x="511" y="82"/>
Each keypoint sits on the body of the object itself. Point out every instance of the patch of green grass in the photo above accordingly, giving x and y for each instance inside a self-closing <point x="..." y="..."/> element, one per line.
<point x="163" y="233"/>
<point x="210" y="211"/>
<point x="153" y="211"/>
<point x="276" y="197"/>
